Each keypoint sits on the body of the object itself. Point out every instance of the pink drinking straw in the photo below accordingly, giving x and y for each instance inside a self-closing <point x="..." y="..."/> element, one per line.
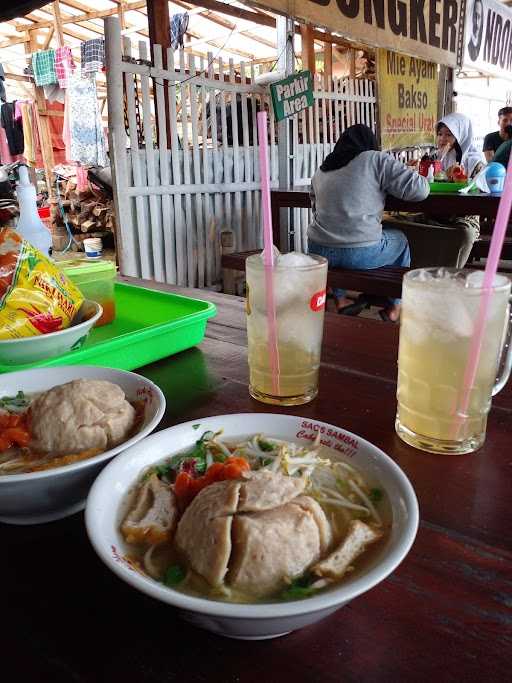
<point x="268" y="252"/>
<point x="491" y="268"/>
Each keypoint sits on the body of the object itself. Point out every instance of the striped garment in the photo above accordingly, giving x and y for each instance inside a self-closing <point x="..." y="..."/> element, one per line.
<point x="64" y="65"/>
<point x="43" y="66"/>
<point x="92" y="55"/>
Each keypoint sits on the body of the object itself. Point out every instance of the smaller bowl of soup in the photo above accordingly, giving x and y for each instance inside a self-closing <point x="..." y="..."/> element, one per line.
<point x="252" y="525"/>
<point x="59" y="427"/>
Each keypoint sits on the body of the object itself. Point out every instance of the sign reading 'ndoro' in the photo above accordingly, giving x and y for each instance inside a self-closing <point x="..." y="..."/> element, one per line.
<point x="423" y="28"/>
<point x="292" y="94"/>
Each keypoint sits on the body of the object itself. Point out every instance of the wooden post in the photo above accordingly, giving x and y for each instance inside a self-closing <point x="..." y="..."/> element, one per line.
<point x="159" y="25"/>
<point x="43" y="123"/>
<point x="327" y="66"/>
<point x="124" y="232"/>
<point x="308" y="48"/>
<point x="352" y="73"/>
<point x="159" y="34"/>
<point x="121" y="15"/>
<point x="285" y="35"/>
<point x="58" y="23"/>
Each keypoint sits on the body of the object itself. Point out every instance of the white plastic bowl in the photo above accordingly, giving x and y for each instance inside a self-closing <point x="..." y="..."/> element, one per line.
<point x="258" y="621"/>
<point x="32" y="349"/>
<point x="38" y="497"/>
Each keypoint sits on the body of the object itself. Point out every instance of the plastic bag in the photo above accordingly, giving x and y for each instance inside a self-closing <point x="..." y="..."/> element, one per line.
<point x="35" y="296"/>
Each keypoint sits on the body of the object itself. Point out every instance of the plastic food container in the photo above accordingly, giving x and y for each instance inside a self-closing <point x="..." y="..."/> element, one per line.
<point x="96" y="282"/>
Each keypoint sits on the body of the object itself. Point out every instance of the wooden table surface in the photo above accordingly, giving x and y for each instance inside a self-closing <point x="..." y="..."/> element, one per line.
<point x="439" y="204"/>
<point x="445" y="614"/>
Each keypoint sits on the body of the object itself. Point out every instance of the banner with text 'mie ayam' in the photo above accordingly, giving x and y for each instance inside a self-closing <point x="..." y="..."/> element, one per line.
<point x="407" y="100"/>
<point x="424" y="28"/>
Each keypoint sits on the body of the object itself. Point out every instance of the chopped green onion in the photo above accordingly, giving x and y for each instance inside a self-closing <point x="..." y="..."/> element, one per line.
<point x="376" y="495"/>
<point x="196" y="426"/>
<point x="164" y="470"/>
<point x="267" y="461"/>
<point x="18" y="401"/>
<point x="299" y="588"/>
<point x="265" y="446"/>
<point x="174" y="575"/>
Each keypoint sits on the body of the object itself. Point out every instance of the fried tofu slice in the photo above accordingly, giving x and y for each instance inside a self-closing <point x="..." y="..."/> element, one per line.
<point x="359" y="536"/>
<point x="154" y="516"/>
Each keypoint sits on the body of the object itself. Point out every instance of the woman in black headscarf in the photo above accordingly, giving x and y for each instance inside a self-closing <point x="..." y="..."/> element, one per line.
<point x="348" y="193"/>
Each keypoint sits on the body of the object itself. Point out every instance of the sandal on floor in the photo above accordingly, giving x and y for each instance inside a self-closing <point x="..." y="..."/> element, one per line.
<point x="385" y="317"/>
<point x="356" y="308"/>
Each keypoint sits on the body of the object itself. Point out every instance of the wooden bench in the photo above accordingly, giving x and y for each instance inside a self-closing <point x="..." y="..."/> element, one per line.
<point x="480" y="248"/>
<point x="385" y="281"/>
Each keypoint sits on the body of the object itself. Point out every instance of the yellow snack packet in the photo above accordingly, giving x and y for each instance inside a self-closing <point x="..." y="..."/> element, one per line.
<point x="35" y="296"/>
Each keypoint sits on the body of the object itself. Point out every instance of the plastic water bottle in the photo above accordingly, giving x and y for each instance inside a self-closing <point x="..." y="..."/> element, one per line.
<point x="430" y="173"/>
<point x="29" y="225"/>
<point x="495" y="177"/>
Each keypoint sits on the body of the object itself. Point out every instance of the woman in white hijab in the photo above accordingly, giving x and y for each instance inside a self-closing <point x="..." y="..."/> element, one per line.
<point x="436" y="240"/>
<point x="455" y="145"/>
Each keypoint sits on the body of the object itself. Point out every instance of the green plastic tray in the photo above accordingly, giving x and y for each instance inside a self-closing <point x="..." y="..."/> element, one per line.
<point x="447" y="187"/>
<point x="149" y="325"/>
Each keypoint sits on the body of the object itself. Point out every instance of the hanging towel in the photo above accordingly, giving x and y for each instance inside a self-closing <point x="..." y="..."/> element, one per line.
<point x="43" y="66"/>
<point x="92" y="55"/>
<point x="13" y="128"/>
<point x="29" y="132"/>
<point x="85" y="128"/>
<point x="64" y="65"/>
<point x="179" y="26"/>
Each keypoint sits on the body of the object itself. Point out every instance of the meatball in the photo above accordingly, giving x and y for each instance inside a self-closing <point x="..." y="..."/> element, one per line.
<point x="254" y="535"/>
<point x="80" y="415"/>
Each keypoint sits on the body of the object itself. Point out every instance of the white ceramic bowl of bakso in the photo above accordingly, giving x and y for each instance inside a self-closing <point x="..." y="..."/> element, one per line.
<point x="50" y="494"/>
<point x="32" y="349"/>
<point x="106" y="509"/>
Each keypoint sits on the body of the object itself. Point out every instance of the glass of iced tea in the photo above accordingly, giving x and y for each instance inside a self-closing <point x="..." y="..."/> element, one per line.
<point x="299" y="283"/>
<point x="439" y="311"/>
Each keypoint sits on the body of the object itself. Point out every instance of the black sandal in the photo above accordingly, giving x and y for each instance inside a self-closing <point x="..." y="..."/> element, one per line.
<point x="356" y="308"/>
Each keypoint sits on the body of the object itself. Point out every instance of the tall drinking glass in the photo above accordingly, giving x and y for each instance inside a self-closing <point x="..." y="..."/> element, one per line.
<point x="439" y="312"/>
<point x="299" y="293"/>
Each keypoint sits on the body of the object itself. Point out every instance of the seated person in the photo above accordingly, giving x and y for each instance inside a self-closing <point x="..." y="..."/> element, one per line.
<point x="503" y="152"/>
<point x="451" y="244"/>
<point x="348" y="193"/>
<point x="493" y="140"/>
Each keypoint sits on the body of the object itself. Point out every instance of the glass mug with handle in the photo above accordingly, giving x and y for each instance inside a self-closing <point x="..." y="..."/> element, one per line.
<point x="439" y="312"/>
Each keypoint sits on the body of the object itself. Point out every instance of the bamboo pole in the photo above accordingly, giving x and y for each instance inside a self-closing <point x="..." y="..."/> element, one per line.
<point x="43" y="123"/>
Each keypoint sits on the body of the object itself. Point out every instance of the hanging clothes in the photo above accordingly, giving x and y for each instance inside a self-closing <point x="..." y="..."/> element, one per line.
<point x="54" y="93"/>
<point x="92" y="54"/>
<point x="5" y="155"/>
<point x="13" y="128"/>
<point x="85" y="127"/>
<point x="56" y="125"/>
<point x="64" y="65"/>
<point x="29" y="133"/>
<point x="43" y="66"/>
<point x="179" y="26"/>
<point x="3" y="96"/>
